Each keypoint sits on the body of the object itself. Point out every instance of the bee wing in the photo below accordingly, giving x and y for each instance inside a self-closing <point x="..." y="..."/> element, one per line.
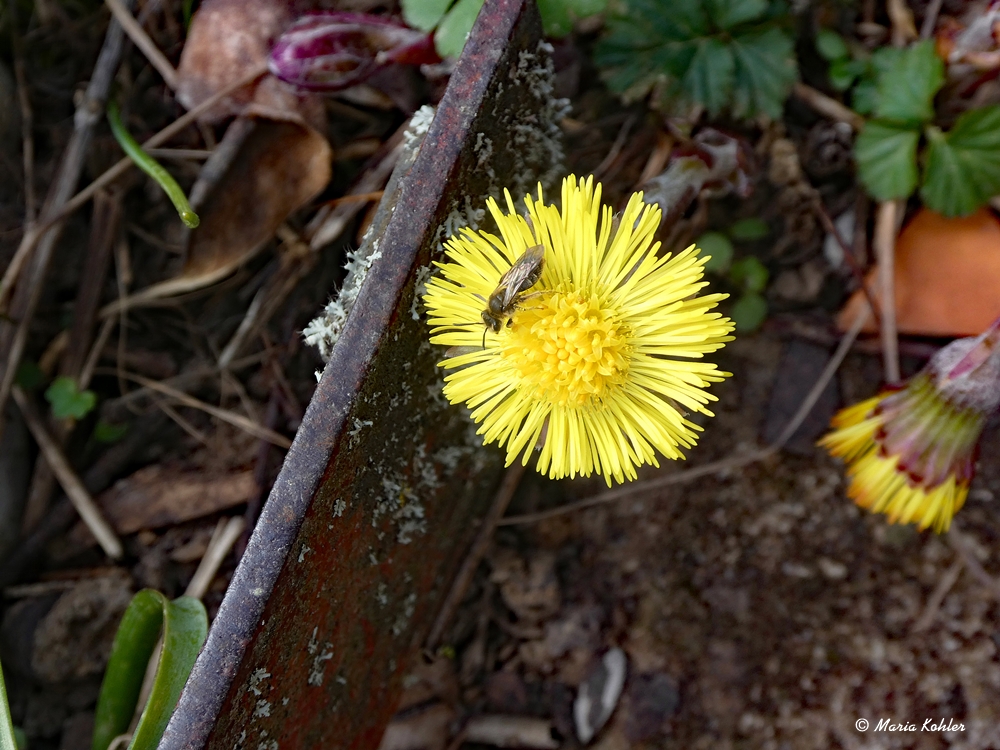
<point x="522" y="275"/>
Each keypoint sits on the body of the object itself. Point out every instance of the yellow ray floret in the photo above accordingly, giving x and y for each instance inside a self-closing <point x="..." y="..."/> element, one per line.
<point x="598" y="362"/>
<point x="882" y="481"/>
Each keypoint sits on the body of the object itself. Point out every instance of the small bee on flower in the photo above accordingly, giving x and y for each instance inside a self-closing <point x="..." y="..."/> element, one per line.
<point x="910" y="451"/>
<point x="604" y="360"/>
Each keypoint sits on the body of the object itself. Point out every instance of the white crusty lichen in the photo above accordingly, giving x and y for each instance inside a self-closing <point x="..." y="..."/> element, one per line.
<point x="324" y="331"/>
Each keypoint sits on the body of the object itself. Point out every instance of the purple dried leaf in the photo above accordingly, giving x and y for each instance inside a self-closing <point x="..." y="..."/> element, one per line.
<point x="330" y="51"/>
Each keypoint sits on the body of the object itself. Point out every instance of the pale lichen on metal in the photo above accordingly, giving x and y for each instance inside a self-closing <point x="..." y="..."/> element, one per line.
<point x="379" y="494"/>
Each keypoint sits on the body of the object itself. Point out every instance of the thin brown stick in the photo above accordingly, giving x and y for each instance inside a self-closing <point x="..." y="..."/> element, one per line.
<point x="852" y="263"/>
<point x="68" y="478"/>
<point x="828" y="106"/>
<point x="358" y="198"/>
<point x="27" y="134"/>
<point x="961" y="544"/>
<point x="480" y="545"/>
<point x="227" y="531"/>
<point x="937" y="596"/>
<point x="70" y="167"/>
<point x="886" y="225"/>
<point x="141" y="40"/>
<point x="237" y="420"/>
<point x="33" y="235"/>
<point x="695" y="472"/>
<point x="930" y="18"/>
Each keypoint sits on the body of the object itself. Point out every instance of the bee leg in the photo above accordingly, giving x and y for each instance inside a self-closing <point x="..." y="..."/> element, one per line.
<point x="484" y="338"/>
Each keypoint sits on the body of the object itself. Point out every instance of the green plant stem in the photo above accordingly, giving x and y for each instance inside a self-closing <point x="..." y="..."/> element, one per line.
<point x="150" y="166"/>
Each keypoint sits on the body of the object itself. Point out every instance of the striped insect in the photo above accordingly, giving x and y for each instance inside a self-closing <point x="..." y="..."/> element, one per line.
<point x="511" y="288"/>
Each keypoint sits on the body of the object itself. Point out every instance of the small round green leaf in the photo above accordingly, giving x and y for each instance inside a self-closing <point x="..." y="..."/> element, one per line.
<point x="750" y="274"/>
<point x="831" y="45"/>
<point x="67" y="401"/>
<point x="843" y="73"/>
<point x="719" y="250"/>
<point x="749" y="312"/>
<point x="748" y="230"/>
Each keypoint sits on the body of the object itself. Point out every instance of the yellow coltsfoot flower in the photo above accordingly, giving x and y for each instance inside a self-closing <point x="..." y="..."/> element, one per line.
<point x="910" y="451"/>
<point x="596" y="360"/>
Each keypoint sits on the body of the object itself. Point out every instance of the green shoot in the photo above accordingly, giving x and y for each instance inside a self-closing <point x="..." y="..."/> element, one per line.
<point x="150" y="166"/>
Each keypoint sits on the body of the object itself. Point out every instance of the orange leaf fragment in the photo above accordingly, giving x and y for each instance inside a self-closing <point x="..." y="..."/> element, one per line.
<point x="947" y="276"/>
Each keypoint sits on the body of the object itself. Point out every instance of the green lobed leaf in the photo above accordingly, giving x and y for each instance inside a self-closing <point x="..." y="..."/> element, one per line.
<point x="843" y="73"/>
<point x="424" y="14"/>
<point x="184" y="626"/>
<point x="886" y="155"/>
<point x="727" y="14"/>
<point x="831" y="45"/>
<point x="750" y="274"/>
<point x="67" y="400"/>
<point x="558" y="15"/>
<point x="747" y="230"/>
<point x="710" y="75"/>
<point x="749" y="312"/>
<point x="907" y="81"/>
<point x="449" y="39"/>
<point x="765" y="72"/>
<point x="864" y="97"/>
<point x="719" y="250"/>
<point x="963" y="165"/>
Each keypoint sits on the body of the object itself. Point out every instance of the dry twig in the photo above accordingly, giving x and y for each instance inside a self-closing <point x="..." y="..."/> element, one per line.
<point x="237" y="420"/>
<point x="68" y="478"/>
<point x="505" y="493"/>
<point x="141" y="40"/>
<point x="828" y="106"/>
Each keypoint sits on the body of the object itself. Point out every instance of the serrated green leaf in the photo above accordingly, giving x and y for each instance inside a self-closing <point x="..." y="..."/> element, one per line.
<point x="710" y="75"/>
<point x="864" y="97"/>
<point x="726" y="14"/>
<point x="887" y="159"/>
<point x="184" y="624"/>
<point x="558" y="15"/>
<point x="765" y="72"/>
<point x="750" y="274"/>
<point x="67" y="401"/>
<point x="449" y="39"/>
<point x="831" y="45"/>
<point x="424" y="14"/>
<point x="843" y="73"/>
<point x="106" y="432"/>
<point x="963" y="165"/>
<point x="747" y="230"/>
<point x="749" y="312"/>
<point x="719" y="250"/>
<point x="907" y="81"/>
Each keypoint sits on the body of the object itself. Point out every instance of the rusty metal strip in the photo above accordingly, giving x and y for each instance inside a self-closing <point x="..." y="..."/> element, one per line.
<point x="379" y="494"/>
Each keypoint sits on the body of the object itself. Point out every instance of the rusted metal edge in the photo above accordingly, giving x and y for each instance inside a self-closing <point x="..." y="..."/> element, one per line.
<point x="326" y="421"/>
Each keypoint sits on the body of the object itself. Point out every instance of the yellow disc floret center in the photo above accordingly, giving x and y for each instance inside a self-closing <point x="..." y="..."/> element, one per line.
<point x="567" y="348"/>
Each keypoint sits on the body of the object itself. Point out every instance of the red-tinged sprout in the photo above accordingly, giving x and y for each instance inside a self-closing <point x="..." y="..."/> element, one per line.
<point x="330" y="51"/>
